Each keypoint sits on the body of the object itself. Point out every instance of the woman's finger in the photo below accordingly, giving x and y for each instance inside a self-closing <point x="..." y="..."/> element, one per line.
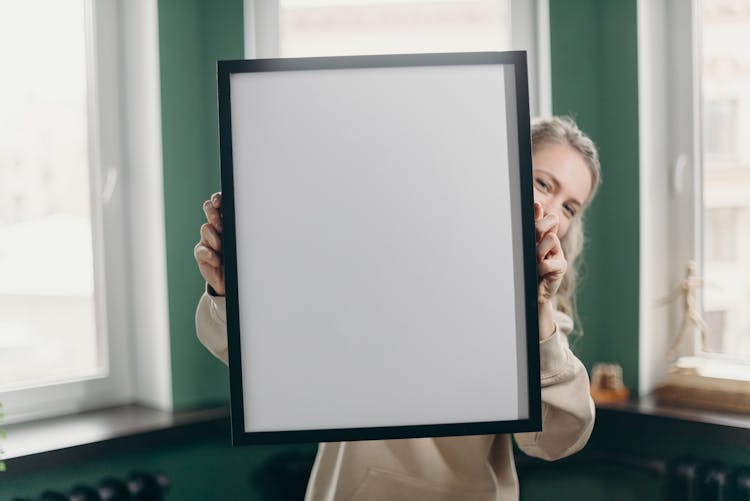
<point x="548" y="224"/>
<point x="552" y="268"/>
<point x="205" y="256"/>
<point x="538" y="215"/>
<point x="213" y="216"/>
<point x="216" y="199"/>
<point x="210" y="237"/>
<point x="209" y="264"/>
<point x="551" y="272"/>
<point x="549" y="246"/>
<point x="538" y="211"/>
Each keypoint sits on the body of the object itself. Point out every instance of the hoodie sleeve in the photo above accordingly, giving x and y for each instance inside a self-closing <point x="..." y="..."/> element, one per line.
<point x="211" y="324"/>
<point x="567" y="407"/>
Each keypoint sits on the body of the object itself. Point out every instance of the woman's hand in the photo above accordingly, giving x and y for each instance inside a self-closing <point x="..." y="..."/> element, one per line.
<point x="207" y="252"/>
<point x="551" y="266"/>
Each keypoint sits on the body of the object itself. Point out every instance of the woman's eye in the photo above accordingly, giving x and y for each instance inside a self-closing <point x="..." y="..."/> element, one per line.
<point x="570" y="210"/>
<point x="542" y="184"/>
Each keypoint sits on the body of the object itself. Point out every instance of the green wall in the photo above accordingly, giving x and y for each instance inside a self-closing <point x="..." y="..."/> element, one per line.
<point x="193" y="35"/>
<point x="594" y="79"/>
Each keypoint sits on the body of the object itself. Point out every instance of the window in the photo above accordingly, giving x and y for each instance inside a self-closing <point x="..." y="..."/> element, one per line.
<point x="301" y="28"/>
<point x="719" y="124"/>
<point x="66" y="299"/>
<point x="46" y="217"/>
<point x="347" y="28"/>
<point x="721" y="237"/>
<point x="726" y="174"/>
<point x="694" y="91"/>
<point x="54" y="333"/>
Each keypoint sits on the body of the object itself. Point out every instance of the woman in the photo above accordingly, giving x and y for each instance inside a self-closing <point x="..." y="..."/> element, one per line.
<point x="566" y="175"/>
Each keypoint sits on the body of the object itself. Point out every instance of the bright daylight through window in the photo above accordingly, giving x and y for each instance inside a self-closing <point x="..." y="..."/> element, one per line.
<point x="348" y="27"/>
<point x="726" y="175"/>
<point x="47" y="308"/>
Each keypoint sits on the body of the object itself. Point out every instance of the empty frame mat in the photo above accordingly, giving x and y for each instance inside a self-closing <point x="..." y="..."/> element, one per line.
<point x="377" y="216"/>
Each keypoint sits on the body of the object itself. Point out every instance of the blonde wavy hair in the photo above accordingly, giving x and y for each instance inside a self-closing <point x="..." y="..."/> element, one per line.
<point x="563" y="130"/>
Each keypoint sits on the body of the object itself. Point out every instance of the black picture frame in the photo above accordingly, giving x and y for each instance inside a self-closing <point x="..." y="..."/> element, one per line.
<point x="522" y="178"/>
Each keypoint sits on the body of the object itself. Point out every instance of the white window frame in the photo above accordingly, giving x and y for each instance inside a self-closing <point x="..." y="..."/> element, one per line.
<point x="668" y="150"/>
<point x="127" y="221"/>
<point x="671" y="181"/>
<point x="529" y="20"/>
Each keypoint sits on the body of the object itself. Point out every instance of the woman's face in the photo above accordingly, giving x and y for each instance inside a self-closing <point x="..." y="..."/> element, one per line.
<point x="562" y="182"/>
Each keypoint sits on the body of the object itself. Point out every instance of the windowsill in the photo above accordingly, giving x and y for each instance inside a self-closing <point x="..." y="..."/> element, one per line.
<point x="722" y="426"/>
<point x="48" y="443"/>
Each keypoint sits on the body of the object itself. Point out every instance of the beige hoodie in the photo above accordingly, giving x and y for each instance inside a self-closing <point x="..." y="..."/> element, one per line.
<point x="467" y="468"/>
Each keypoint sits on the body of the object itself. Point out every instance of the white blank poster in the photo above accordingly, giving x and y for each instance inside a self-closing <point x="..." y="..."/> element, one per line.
<point x="374" y="246"/>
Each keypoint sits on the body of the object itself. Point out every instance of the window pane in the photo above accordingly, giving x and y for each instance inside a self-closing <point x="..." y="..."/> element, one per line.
<point x="349" y="27"/>
<point x="726" y="119"/>
<point x="47" y="316"/>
